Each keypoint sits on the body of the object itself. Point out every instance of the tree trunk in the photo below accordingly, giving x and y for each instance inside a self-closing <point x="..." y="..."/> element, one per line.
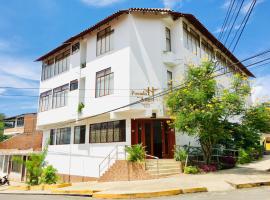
<point x="207" y="150"/>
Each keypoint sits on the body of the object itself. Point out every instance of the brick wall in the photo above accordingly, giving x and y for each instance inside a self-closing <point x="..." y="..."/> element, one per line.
<point x="23" y="142"/>
<point x="123" y="170"/>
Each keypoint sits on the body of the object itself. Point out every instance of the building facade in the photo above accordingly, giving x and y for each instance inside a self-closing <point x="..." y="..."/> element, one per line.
<point x="96" y="76"/>
<point x="24" y="139"/>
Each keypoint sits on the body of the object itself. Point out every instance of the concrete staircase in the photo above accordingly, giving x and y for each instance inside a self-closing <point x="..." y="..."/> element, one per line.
<point x="166" y="167"/>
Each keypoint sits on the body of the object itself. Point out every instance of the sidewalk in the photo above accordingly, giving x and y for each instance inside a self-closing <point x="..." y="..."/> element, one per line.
<point x="218" y="181"/>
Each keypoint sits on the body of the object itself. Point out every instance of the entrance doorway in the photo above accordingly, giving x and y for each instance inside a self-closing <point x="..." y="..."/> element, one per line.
<point x="156" y="135"/>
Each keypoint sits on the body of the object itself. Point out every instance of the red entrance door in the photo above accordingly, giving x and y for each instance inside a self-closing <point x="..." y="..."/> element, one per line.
<point x="155" y="134"/>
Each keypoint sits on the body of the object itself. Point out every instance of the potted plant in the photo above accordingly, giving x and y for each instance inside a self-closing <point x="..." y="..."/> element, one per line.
<point x="180" y="155"/>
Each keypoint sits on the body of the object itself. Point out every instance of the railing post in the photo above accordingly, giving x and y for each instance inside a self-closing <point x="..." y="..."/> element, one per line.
<point x="116" y="152"/>
<point x="109" y="160"/>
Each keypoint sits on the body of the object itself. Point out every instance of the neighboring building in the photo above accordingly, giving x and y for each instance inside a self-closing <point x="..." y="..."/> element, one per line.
<point x="128" y="55"/>
<point x="24" y="139"/>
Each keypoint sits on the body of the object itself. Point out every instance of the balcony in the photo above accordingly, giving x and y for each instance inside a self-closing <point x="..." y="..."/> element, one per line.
<point x="169" y="58"/>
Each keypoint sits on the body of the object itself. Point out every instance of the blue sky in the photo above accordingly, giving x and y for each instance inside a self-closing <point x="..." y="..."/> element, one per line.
<point x="30" y="28"/>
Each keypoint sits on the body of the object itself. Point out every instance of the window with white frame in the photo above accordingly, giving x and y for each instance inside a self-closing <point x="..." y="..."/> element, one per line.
<point x="63" y="135"/>
<point x="104" y="41"/>
<point x="47" y="69"/>
<point x="168" y="39"/>
<point x="60" y="96"/>
<point x="104" y="82"/>
<point x="62" y="62"/>
<point x="191" y="40"/>
<point x="45" y="101"/>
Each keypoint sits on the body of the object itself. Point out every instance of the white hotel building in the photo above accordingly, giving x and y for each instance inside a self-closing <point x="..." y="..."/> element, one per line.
<point x="113" y="64"/>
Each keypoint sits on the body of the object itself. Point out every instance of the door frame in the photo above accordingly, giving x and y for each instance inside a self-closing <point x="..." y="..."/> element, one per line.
<point x="138" y="125"/>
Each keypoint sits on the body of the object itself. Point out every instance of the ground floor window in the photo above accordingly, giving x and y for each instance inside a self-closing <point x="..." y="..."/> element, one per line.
<point x="79" y="134"/>
<point x="106" y="132"/>
<point x="16" y="166"/>
<point x="1" y="163"/>
<point x="60" y="136"/>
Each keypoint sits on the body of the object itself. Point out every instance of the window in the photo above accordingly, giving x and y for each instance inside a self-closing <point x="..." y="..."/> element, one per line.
<point x="104" y="41"/>
<point x="63" y="135"/>
<point x="45" y="101"/>
<point x="168" y="39"/>
<point x="74" y="85"/>
<point x="20" y="121"/>
<point x="106" y="132"/>
<point x="75" y="47"/>
<point x="62" y="62"/>
<point x="47" y="69"/>
<point x="191" y="40"/>
<point x="207" y="50"/>
<point x="79" y="134"/>
<point x="16" y="166"/>
<point x="104" y="82"/>
<point x="52" y="137"/>
<point x="169" y="79"/>
<point x="60" y="96"/>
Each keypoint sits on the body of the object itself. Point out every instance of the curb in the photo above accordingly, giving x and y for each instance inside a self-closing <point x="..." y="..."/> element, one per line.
<point x="75" y="192"/>
<point x="195" y="190"/>
<point x="249" y="185"/>
<point x="171" y="192"/>
<point x="39" y="187"/>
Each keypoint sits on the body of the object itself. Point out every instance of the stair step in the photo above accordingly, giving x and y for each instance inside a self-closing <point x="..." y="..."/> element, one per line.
<point x="164" y="170"/>
<point x="164" y="174"/>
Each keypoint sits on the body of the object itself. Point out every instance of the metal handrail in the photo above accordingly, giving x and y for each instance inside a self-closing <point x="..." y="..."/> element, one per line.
<point x="109" y="157"/>
<point x="157" y="158"/>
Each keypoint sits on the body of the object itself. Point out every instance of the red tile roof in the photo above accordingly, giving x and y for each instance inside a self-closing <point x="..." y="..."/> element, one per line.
<point x="192" y="19"/>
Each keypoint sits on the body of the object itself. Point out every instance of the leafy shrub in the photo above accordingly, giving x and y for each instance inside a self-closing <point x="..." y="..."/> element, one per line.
<point x="191" y="170"/>
<point x="136" y="153"/>
<point x="49" y="175"/>
<point x="244" y="157"/>
<point x="208" y="168"/>
<point x="180" y="154"/>
<point x="227" y="162"/>
<point x="255" y="152"/>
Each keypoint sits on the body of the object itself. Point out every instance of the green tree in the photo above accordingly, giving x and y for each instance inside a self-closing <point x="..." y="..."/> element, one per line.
<point x="202" y="109"/>
<point x="34" y="166"/>
<point x="2" y="125"/>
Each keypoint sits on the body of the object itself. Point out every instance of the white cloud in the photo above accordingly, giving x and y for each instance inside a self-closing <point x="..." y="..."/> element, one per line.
<point x="100" y="3"/>
<point x="172" y="3"/>
<point x="226" y="4"/>
<point x="260" y="89"/>
<point x="2" y="90"/>
<point x="20" y="67"/>
<point x="247" y="5"/>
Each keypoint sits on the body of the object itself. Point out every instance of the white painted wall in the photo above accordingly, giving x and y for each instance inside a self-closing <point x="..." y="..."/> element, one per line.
<point x="138" y="61"/>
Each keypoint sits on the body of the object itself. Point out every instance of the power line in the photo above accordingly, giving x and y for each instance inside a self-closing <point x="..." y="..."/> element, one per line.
<point x="231" y="18"/>
<point x="235" y="19"/>
<point x="226" y="19"/>
<point x="243" y="25"/>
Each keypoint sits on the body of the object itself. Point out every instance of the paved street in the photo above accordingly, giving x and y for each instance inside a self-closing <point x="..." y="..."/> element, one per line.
<point x="261" y="193"/>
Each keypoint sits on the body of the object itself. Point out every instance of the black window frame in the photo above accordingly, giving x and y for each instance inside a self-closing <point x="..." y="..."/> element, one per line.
<point x="75" y="47"/>
<point x="74" y="85"/>
<point x="20" y="122"/>
<point x="63" y="136"/>
<point x="82" y="139"/>
<point x="104" y="35"/>
<point x="96" y="131"/>
<point x="63" y="90"/>
<point x="101" y="79"/>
